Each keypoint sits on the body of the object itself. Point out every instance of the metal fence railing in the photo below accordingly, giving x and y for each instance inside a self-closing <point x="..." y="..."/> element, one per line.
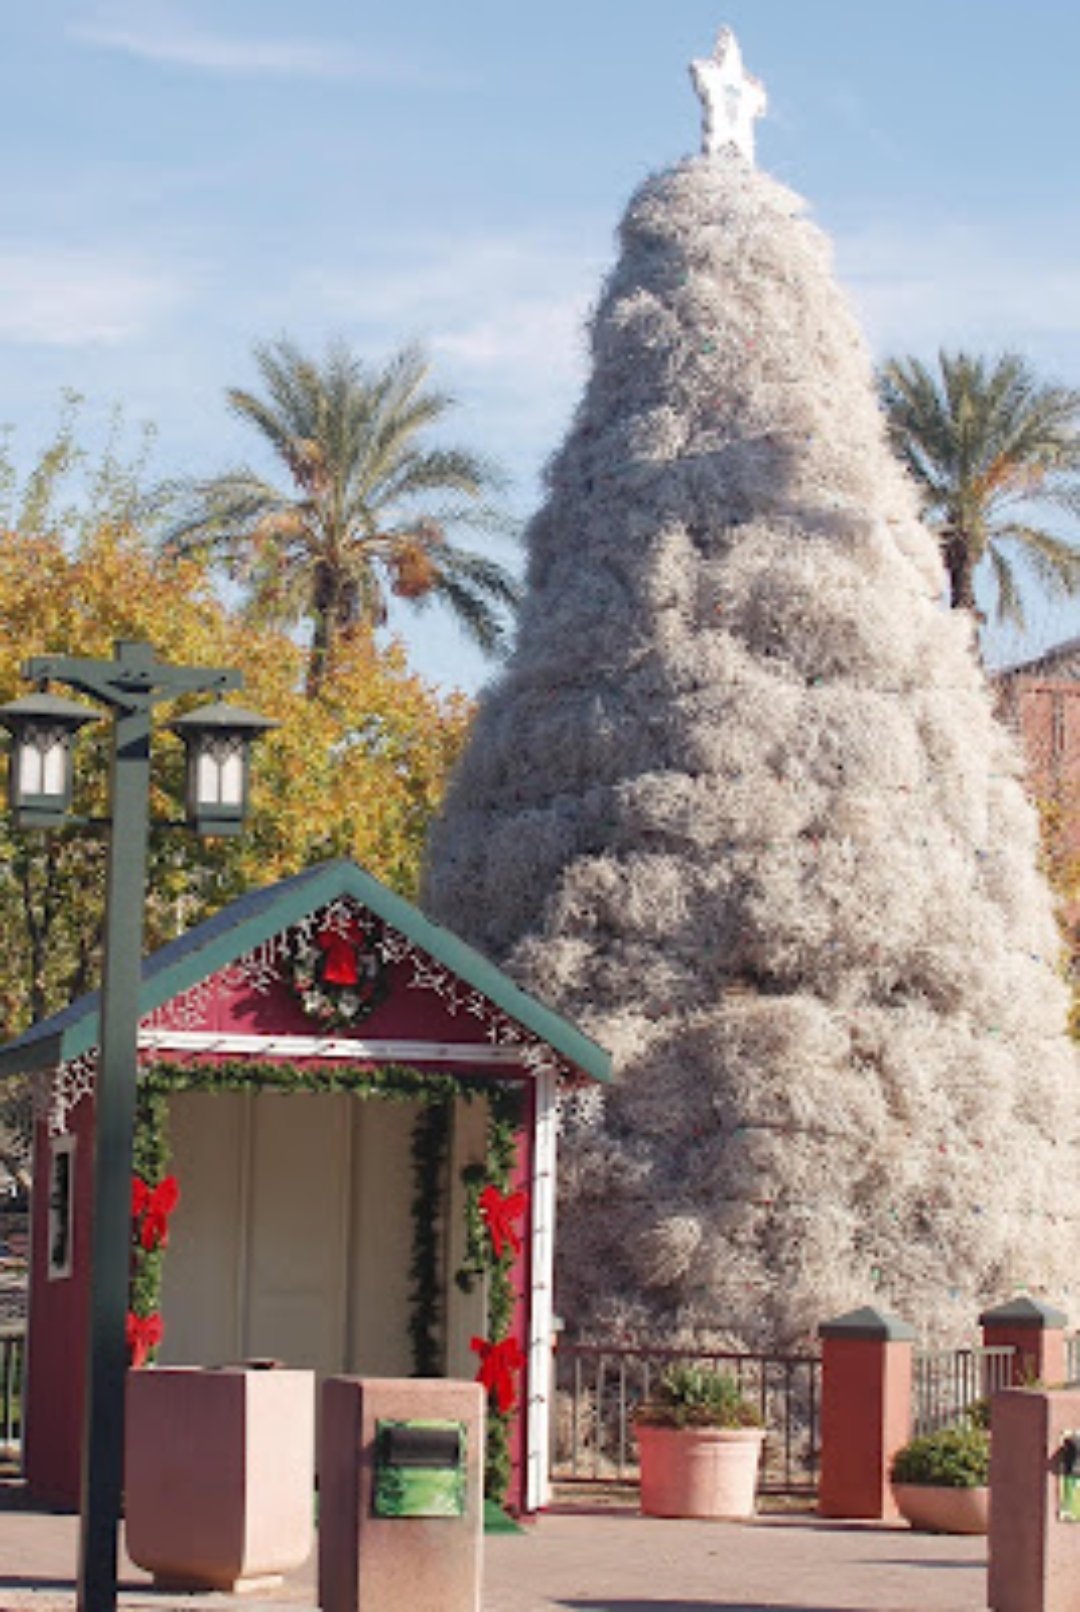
<point x="598" y="1388"/>
<point x="946" y="1383"/>
<point x="12" y="1375"/>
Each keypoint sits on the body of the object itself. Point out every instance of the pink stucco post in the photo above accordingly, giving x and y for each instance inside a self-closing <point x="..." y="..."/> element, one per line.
<point x="1036" y="1331"/>
<point x="865" y="1411"/>
<point x="368" y="1562"/>
<point x="219" y="1477"/>
<point x="1034" y="1550"/>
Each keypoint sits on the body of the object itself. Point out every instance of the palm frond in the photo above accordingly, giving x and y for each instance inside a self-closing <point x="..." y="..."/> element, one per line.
<point x="221" y="511"/>
<point x="481" y="575"/>
<point x="479" y="620"/>
<point x="1008" y="601"/>
<point x="1055" y="562"/>
<point x="440" y="470"/>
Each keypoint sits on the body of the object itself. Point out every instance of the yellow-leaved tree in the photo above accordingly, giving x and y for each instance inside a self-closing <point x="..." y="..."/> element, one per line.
<point x="355" y="771"/>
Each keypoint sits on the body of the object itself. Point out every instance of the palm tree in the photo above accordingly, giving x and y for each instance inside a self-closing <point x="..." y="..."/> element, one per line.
<point x="355" y="521"/>
<point x="987" y="441"/>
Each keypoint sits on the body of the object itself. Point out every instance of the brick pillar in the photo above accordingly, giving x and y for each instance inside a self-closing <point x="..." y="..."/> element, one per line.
<point x="1037" y="1332"/>
<point x="865" y="1411"/>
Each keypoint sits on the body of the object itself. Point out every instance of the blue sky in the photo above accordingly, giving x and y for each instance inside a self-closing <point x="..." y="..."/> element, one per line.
<point x="180" y="180"/>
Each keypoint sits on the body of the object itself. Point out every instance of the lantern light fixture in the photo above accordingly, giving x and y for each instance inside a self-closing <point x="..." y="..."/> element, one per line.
<point x="42" y="727"/>
<point x="217" y="739"/>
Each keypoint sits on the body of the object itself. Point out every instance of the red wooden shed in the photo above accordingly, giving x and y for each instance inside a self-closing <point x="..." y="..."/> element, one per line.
<point x="408" y="1232"/>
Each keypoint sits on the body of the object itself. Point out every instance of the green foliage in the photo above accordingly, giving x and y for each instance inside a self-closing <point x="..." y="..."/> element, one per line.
<point x="695" y="1396"/>
<point x="481" y="1262"/>
<point x="73" y="488"/>
<point x="394" y="1082"/>
<point x="430" y="1145"/>
<point x="150" y="1161"/>
<point x="986" y="441"/>
<point x="952" y="1458"/>
<point x="978" y="1413"/>
<point x="504" y="1122"/>
<point x="365" y="513"/>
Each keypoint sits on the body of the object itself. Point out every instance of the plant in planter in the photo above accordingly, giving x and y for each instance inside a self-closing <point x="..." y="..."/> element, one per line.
<point x="941" y="1480"/>
<point x="700" y="1443"/>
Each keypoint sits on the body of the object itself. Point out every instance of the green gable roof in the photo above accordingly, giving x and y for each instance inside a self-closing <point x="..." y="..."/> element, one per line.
<point x="253" y="919"/>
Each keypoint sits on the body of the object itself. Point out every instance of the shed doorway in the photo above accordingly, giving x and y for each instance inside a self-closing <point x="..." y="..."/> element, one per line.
<point x="293" y="1239"/>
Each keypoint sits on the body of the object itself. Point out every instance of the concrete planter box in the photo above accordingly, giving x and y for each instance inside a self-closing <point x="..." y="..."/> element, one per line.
<point x="938" y="1510"/>
<point x="219" y="1475"/>
<point x="699" y="1471"/>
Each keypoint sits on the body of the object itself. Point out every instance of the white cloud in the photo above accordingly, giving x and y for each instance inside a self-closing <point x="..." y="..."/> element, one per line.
<point x="502" y="316"/>
<point x="505" y="309"/>
<point x="947" y="284"/>
<point x="527" y="336"/>
<point x="64" y="298"/>
<point x="159" y="37"/>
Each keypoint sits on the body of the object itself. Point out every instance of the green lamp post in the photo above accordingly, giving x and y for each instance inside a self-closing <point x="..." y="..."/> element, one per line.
<point x="41" y="726"/>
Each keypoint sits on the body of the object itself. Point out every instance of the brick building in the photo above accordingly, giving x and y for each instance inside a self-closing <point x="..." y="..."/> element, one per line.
<point x="1040" y="699"/>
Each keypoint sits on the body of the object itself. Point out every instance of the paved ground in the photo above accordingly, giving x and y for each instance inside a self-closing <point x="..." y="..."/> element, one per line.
<point x="609" y="1560"/>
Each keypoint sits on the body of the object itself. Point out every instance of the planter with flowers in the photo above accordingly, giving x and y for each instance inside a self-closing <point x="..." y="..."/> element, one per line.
<point x="941" y="1481"/>
<point x="700" y="1442"/>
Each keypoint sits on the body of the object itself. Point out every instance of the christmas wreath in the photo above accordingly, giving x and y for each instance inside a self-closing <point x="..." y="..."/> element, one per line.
<point x="338" y="969"/>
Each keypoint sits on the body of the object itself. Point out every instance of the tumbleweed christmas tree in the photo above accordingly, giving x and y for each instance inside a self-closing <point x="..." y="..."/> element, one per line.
<point x="739" y="805"/>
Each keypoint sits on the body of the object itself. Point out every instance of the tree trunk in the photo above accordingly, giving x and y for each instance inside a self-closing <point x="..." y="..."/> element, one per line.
<point x="324" y="612"/>
<point x="959" y="562"/>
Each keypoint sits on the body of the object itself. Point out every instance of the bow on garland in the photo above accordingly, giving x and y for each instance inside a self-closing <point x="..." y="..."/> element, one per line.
<point x="144" y="1333"/>
<point x="151" y="1208"/>
<point x="498" y="1363"/>
<point x="499" y="1211"/>
<point x="341" y="948"/>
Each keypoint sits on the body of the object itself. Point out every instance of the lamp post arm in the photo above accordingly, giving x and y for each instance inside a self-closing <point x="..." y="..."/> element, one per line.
<point x="134" y="680"/>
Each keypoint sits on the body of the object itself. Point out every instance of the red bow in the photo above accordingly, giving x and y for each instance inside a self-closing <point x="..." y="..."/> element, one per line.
<point x="341" y="946"/>
<point x="144" y="1332"/>
<point x="154" y="1205"/>
<point x="499" y="1213"/>
<point x="498" y="1363"/>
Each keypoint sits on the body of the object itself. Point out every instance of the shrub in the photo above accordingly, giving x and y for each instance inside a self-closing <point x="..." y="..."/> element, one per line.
<point x="953" y="1458"/>
<point x="694" y="1396"/>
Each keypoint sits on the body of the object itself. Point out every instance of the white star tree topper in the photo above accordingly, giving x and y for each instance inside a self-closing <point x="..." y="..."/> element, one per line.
<point x="731" y="97"/>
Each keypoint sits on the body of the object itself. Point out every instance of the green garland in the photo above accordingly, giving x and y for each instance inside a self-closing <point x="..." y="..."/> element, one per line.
<point x="503" y="1124"/>
<point x="150" y="1160"/>
<point x="397" y="1082"/>
<point x="430" y="1147"/>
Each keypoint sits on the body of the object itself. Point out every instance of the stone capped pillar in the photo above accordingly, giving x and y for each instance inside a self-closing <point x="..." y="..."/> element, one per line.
<point x="1037" y="1332"/>
<point x="866" y="1364"/>
<point x="413" y="1555"/>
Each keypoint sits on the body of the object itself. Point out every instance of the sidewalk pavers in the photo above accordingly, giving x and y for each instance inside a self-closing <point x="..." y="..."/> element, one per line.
<point x="608" y="1560"/>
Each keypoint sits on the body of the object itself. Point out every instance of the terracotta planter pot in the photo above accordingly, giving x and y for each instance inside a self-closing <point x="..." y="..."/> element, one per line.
<point x="937" y="1510"/>
<point x="699" y="1471"/>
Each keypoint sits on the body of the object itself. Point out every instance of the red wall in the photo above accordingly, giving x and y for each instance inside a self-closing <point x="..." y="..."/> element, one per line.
<point x="58" y="1318"/>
